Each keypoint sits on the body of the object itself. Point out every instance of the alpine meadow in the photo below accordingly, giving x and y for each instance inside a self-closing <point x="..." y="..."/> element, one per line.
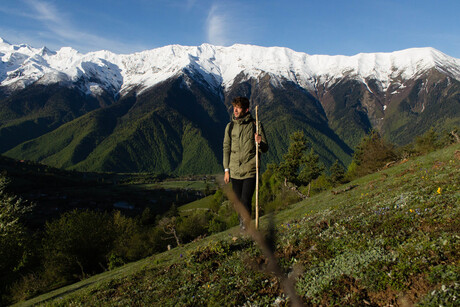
<point x="111" y="186"/>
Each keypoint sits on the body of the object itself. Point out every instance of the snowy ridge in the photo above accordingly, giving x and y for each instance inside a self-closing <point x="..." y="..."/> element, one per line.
<point x="22" y="65"/>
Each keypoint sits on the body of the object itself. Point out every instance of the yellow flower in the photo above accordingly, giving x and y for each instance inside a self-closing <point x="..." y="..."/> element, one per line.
<point x="411" y="210"/>
<point x="439" y="190"/>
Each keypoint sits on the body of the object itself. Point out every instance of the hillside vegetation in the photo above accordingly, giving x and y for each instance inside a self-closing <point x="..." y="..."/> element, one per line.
<point x="391" y="237"/>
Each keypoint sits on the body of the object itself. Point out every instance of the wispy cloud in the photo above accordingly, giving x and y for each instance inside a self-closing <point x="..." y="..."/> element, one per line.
<point x="56" y="22"/>
<point x="46" y="12"/>
<point x="218" y="27"/>
<point x="230" y="23"/>
<point x="57" y="29"/>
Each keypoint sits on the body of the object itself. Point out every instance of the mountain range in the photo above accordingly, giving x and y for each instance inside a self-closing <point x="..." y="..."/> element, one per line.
<point x="165" y="110"/>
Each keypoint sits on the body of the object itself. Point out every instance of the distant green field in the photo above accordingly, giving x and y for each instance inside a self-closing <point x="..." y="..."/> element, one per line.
<point x="192" y="185"/>
<point x="203" y="203"/>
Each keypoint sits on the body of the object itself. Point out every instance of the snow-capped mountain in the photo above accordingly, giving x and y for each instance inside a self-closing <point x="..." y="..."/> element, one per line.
<point x="23" y="65"/>
<point x="165" y="110"/>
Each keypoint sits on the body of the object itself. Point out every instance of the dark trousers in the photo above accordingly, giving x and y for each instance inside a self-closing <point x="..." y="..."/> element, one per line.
<point x="244" y="189"/>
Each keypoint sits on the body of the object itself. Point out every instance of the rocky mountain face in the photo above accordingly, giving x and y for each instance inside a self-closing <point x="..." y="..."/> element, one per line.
<point x="165" y="110"/>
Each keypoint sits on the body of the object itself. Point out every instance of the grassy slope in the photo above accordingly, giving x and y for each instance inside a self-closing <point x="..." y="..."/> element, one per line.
<point x="393" y="239"/>
<point x="95" y="142"/>
<point x="179" y="184"/>
<point x="203" y="203"/>
<point x="38" y="109"/>
<point x="72" y="142"/>
<point x="440" y="104"/>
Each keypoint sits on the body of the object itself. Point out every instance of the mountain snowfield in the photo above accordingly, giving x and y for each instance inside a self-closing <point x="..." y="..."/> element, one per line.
<point x="22" y="65"/>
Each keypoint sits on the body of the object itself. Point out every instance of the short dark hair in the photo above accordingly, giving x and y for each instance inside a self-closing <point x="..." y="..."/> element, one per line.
<point x="241" y="102"/>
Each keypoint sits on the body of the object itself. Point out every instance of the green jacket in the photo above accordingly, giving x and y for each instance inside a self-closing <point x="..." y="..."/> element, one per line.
<point x="240" y="147"/>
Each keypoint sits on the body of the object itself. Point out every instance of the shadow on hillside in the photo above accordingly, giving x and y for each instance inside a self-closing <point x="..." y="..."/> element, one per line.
<point x="55" y="191"/>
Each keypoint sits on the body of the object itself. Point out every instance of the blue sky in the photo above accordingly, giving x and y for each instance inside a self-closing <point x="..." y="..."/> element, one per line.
<point x="331" y="27"/>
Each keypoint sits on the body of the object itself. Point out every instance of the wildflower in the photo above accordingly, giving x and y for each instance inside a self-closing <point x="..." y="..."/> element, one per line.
<point x="439" y="190"/>
<point x="410" y="210"/>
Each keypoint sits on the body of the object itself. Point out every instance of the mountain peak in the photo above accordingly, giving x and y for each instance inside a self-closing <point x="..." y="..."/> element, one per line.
<point x="45" y="51"/>
<point x="219" y="66"/>
<point x="5" y="46"/>
<point x="3" y="41"/>
<point x="68" y="51"/>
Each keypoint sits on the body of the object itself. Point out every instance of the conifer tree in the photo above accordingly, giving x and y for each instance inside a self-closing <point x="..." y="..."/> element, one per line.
<point x="337" y="173"/>
<point x="311" y="168"/>
<point x="298" y="167"/>
<point x="294" y="158"/>
<point x="372" y="153"/>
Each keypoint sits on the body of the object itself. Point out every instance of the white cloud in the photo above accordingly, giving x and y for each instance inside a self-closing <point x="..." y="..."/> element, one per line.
<point x="217" y="27"/>
<point x="231" y="22"/>
<point x="46" y="11"/>
<point x="56" y="30"/>
<point x="52" y="19"/>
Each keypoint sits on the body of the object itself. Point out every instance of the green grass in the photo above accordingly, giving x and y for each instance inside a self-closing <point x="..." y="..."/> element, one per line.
<point x="391" y="240"/>
<point x="203" y="203"/>
<point x="182" y="184"/>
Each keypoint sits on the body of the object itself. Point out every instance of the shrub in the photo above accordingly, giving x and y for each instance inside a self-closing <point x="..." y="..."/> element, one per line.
<point x="217" y="200"/>
<point x="29" y="286"/>
<point x="193" y="226"/>
<point x="77" y="243"/>
<point x="318" y="185"/>
<point x="216" y="225"/>
<point x="129" y="244"/>
<point x="427" y="142"/>
<point x="228" y="214"/>
<point x="154" y="239"/>
<point x="284" y="198"/>
<point x="370" y="155"/>
<point x="273" y="195"/>
<point x="270" y="184"/>
<point x="14" y="241"/>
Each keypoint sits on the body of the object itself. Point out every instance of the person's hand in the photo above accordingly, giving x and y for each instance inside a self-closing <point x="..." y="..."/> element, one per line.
<point x="258" y="138"/>
<point x="227" y="177"/>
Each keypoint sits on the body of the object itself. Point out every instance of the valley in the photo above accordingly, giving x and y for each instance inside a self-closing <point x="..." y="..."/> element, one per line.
<point x="55" y="192"/>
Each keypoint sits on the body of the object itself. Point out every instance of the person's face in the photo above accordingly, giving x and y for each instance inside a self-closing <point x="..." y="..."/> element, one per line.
<point x="239" y="111"/>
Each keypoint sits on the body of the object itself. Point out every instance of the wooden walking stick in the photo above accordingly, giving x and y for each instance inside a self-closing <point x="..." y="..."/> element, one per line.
<point x="257" y="172"/>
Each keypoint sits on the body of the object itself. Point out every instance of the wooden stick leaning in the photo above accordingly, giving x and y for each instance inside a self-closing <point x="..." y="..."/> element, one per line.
<point x="257" y="171"/>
